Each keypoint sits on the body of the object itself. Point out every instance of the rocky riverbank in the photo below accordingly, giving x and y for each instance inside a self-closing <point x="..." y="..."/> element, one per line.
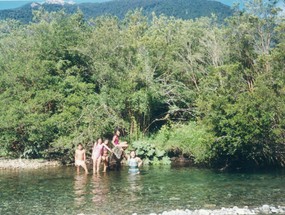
<point x="26" y="163"/>
<point x="265" y="209"/>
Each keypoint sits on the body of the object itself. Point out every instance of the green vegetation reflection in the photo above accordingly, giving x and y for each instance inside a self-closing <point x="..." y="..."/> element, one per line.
<point x="156" y="189"/>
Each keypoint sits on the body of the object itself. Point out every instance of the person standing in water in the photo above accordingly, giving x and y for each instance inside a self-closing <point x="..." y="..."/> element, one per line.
<point x="105" y="156"/>
<point x="134" y="163"/>
<point x="80" y="158"/>
<point x="97" y="154"/>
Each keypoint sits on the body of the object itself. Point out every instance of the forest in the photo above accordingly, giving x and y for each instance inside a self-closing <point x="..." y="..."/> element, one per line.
<point x="184" y="9"/>
<point x="196" y="88"/>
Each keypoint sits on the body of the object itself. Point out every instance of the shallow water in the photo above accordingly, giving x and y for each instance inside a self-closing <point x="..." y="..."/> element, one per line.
<point x="156" y="189"/>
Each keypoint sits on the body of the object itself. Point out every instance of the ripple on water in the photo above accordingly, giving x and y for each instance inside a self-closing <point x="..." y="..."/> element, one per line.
<point x="157" y="189"/>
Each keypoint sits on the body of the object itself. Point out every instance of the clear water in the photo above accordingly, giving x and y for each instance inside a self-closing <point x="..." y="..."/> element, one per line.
<point x="156" y="189"/>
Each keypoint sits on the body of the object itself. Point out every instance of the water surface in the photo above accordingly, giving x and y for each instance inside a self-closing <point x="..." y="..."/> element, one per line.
<point x="62" y="191"/>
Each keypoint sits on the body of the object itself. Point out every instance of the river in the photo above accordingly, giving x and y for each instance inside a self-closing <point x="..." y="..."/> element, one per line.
<point x="60" y="190"/>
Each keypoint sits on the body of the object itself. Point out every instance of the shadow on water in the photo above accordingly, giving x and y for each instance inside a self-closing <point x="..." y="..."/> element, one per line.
<point x="156" y="189"/>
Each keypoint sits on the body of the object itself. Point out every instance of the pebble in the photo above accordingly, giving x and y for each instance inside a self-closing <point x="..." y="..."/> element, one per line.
<point x="266" y="209"/>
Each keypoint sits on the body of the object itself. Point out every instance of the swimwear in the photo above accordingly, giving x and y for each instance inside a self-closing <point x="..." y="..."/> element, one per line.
<point x="105" y="151"/>
<point x="97" y="151"/>
<point x="116" y="140"/>
<point x="133" y="164"/>
<point x="79" y="162"/>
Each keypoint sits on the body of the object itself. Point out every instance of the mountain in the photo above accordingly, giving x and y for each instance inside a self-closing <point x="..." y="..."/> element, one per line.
<point x="185" y="9"/>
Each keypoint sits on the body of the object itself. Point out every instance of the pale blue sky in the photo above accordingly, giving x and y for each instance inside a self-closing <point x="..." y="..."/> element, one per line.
<point x="44" y="0"/>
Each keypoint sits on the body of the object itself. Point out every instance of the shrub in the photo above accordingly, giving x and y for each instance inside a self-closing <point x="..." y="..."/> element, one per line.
<point x="191" y="139"/>
<point x="150" y="153"/>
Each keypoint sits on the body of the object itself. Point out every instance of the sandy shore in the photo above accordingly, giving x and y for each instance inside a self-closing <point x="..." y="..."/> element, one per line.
<point x="26" y="163"/>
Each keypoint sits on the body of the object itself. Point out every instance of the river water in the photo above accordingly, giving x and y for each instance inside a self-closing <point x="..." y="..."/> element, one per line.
<point x="62" y="191"/>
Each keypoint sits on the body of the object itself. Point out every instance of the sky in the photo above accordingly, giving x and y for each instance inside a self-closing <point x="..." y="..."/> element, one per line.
<point x="230" y="2"/>
<point x="9" y="4"/>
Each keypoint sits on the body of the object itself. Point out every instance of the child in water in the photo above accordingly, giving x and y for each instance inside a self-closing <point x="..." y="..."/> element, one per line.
<point x="105" y="156"/>
<point x="80" y="158"/>
<point x="97" y="154"/>
<point x="134" y="163"/>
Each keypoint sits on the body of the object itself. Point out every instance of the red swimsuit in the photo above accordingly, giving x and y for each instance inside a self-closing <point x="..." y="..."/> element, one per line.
<point x="116" y="140"/>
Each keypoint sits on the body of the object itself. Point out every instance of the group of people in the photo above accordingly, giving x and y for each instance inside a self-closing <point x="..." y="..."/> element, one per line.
<point x="100" y="153"/>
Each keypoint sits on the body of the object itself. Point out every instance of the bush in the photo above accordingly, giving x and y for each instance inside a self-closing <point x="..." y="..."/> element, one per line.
<point x="191" y="139"/>
<point x="149" y="153"/>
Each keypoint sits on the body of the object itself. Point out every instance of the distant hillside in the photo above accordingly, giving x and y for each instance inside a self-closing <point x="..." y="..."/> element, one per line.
<point x="185" y="9"/>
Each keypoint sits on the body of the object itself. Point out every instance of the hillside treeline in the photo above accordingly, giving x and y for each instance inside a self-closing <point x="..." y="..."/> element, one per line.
<point x="196" y="88"/>
<point x="184" y="9"/>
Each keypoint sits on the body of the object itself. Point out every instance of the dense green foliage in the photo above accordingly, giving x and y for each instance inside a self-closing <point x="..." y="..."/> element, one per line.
<point x="190" y="140"/>
<point x="184" y="9"/>
<point x="212" y="92"/>
<point x="150" y="153"/>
